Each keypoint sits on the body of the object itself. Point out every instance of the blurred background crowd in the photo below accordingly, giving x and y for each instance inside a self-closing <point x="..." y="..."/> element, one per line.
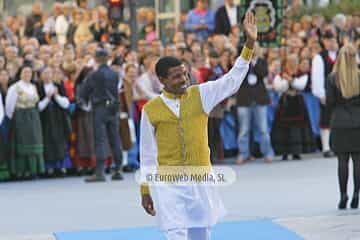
<point x="46" y="56"/>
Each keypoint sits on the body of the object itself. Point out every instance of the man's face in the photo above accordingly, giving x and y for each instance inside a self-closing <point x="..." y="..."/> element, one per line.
<point x="176" y="81"/>
<point x="57" y="9"/>
<point x="202" y="4"/>
<point x="331" y="44"/>
<point x="36" y="9"/>
<point x="229" y="2"/>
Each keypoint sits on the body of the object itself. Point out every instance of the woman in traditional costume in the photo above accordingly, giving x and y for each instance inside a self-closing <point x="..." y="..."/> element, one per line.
<point x="83" y="137"/>
<point x="26" y="160"/>
<point x="55" y="123"/>
<point x="291" y="132"/>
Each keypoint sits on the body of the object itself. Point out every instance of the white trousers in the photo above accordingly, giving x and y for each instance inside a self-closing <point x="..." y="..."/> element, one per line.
<point x="188" y="234"/>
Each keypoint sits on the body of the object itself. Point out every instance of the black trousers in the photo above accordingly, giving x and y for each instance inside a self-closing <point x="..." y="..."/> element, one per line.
<point x="106" y="129"/>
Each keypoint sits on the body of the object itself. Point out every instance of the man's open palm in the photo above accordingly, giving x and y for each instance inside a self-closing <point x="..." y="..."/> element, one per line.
<point x="250" y="26"/>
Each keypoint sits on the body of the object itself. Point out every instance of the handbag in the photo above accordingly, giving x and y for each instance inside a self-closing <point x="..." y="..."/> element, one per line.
<point x="124" y="131"/>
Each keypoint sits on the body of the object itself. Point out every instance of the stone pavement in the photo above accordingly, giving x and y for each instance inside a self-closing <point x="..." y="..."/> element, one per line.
<point x="28" y="237"/>
<point x="300" y="195"/>
<point x="339" y="227"/>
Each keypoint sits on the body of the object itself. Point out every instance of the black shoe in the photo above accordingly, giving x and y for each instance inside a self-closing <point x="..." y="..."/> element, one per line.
<point x="95" y="178"/>
<point x="343" y="202"/>
<point x="285" y="157"/>
<point x="117" y="176"/>
<point x="328" y="154"/>
<point x="128" y="169"/>
<point x="355" y="202"/>
<point x="296" y="157"/>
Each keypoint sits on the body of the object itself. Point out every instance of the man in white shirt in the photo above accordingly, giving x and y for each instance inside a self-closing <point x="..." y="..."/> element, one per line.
<point x="227" y="17"/>
<point x="322" y="65"/>
<point x="49" y="26"/>
<point x="174" y="133"/>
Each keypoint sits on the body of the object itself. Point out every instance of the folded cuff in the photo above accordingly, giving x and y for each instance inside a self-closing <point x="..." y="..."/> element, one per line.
<point x="144" y="189"/>
<point x="247" y="53"/>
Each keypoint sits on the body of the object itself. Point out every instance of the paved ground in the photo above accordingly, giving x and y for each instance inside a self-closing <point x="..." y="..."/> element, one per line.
<point x="301" y="195"/>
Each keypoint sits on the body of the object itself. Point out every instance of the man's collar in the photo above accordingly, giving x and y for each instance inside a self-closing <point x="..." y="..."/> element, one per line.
<point x="201" y="12"/>
<point x="230" y="7"/>
<point x="171" y="95"/>
<point x="103" y="65"/>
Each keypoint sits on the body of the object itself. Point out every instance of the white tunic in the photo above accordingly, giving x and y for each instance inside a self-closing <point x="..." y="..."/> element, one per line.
<point x="192" y="205"/>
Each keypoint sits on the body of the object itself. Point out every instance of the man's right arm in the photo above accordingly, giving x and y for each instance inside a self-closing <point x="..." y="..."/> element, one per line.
<point x="148" y="160"/>
<point x="214" y="92"/>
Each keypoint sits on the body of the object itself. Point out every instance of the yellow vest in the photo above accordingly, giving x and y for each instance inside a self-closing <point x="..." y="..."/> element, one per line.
<point x="180" y="141"/>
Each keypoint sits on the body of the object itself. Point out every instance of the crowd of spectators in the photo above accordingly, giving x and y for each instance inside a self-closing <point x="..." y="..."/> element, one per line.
<point x="45" y="58"/>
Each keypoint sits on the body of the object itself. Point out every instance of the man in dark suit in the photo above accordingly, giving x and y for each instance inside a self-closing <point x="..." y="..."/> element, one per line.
<point x="227" y="17"/>
<point x="101" y="89"/>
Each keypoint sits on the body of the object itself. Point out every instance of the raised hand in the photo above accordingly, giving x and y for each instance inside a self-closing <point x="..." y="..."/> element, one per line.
<point x="250" y="27"/>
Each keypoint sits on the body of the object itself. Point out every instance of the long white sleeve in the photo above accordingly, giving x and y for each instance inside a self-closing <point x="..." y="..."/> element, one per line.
<point x="213" y="92"/>
<point x="10" y="101"/>
<point x="300" y="82"/>
<point x="148" y="146"/>
<point x="317" y="76"/>
<point x="62" y="101"/>
<point x="43" y="104"/>
<point x="280" y="85"/>
<point x="2" y="114"/>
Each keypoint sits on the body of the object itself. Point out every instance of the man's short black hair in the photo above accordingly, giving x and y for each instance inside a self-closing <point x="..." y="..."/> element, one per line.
<point x="164" y="64"/>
